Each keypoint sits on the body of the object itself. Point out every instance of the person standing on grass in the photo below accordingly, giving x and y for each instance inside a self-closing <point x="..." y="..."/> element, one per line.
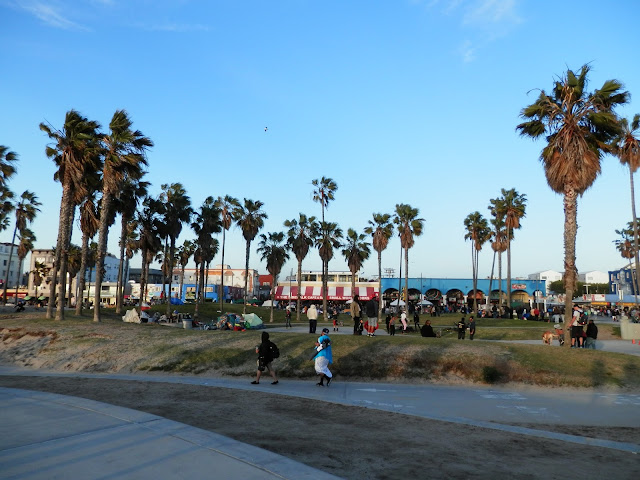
<point x="371" y="309"/>
<point x="323" y="358"/>
<point x="472" y="327"/>
<point x="462" y="327"/>
<point x="392" y="325"/>
<point x="267" y="351"/>
<point x="287" y="318"/>
<point x="592" y="334"/>
<point x="403" y="320"/>
<point x="312" y="315"/>
<point x="354" y="309"/>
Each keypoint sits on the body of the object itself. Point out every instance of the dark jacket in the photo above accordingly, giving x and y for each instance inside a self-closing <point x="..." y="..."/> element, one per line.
<point x="371" y="308"/>
<point x="427" y="331"/>
<point x="592" y="330"/>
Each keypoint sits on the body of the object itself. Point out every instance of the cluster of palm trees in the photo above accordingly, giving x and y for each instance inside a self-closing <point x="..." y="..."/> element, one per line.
<point x="506" y="212"/>
<point x="579" y="128"/>
<point x="25" y="208"/>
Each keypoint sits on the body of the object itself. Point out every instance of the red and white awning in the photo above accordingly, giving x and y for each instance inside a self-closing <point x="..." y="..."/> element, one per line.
<point x="315" y="293"/>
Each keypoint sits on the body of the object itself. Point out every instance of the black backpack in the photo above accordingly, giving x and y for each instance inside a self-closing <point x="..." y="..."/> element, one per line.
<point x="275" y="353"/>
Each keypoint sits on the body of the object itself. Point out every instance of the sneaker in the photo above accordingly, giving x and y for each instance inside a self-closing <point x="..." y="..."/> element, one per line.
<point x="274" y="383"/>
<point x="329" y="381"/>
<point x="254" y="383"/>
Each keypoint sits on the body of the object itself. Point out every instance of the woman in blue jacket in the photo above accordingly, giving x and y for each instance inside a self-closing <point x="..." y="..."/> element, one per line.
<point x="323" y="358"/>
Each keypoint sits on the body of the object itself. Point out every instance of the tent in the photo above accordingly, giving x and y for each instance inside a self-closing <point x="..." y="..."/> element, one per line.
<point x="251" y="320"/>
<point x="145" y="306"/>
<point x="176" y="301"/>
<point x="425" y="302"/>
<point x="395" y="303"/>
<point x="267" y="303"/>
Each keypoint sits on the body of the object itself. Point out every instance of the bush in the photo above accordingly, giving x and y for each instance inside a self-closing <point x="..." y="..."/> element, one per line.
<point x="491" y="374"/>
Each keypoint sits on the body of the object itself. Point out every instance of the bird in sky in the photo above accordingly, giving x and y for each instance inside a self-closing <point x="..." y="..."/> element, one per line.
<point x="265" y="129"/>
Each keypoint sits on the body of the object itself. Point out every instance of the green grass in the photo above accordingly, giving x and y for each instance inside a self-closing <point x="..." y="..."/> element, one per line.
<point x="112" y="345"/>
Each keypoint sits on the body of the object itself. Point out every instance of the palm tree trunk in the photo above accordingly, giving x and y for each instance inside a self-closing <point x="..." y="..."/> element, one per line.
<point x="500" y="281"/>
<point x="509" y="268"/>
<point x="119" y="286"/>
<point x="379" y="285"/>
<point x="224" y="231"/>
<point x="246" y="277"/>
<point x="325" y="288"/>
<point x="406" y="280"/>
<point x="299" y="300"/>
<point x="493" y="264"/>
<point x="400" y="279"/>
<point x="474" y="273"/>
<point x="103" y="234"/>
<point x="272" y="296"/>
<point x="570" y="232"/>
<point x="61" y="252"/>
<point x="18" y="282"/>
<point x="172" y="251"/>
<point x="83" y="270"/>
<point x="635" y="233"/>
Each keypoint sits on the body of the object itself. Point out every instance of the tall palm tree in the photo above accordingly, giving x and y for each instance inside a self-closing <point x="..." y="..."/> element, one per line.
<point x="250" y="218"/>
<point x="126" y="203"/>
<point x="177" y="212"/>
<point x="626" y="146"/>
<point x="328" y="237"/>
<point x="206" y="222"/>
<point x="185" y="252"/>
<point x="381" y="229"/>
<point x="498" y="245"/>
<point x="275" y="252"/>
<point x="300" y="238"/>
<point x="7" y="169"/>
<point x="355" y="250"/>
<point x="73" y="150"/>
<point x="409" y="227"/>
<point x="124" y="157"/>
<point x="26" y="210"/>
<point x="89" y="224"/>
<point x="626" y="246"/>
<point x="479" y="233"/>
<point x="149" y="220"/>
<point x="511" y="206"/>
<point x="227" y="206"/>
<point x="27" y="239"/>
<point x="576" y="125"/>
<point x="323" y="193"/>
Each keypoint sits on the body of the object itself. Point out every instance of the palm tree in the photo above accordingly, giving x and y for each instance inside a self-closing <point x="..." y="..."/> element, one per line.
<point x="73" y="150"/>
<point x="7" y="170"/>
<point x="479" y="233"/>
<point x="323" y="193"/>
<point x="26" y="210"/>
<point x="498" y="245"/>
<point x="250" y="218"/>
<point x="126" y="203"/>
<point x="626" y="146"/>
<point x="355" y="250"/>
<point x="227" y="205"/>
<point x="511" y="207"/>
<point x="626" y="246"/>
<point x="89" y="224"/>
<point x="274" y="252"/>
<point x="409" y="227"/>
<point x="381" y="229"/>
<point x="74" y="261"/>
<point x="177" y="211"/>
<point x="27" y="238"/>
<point x="300" y="238"/>
<point x="185" y="252"/>
<point x="328" y="237"/>
<point x="6" y="207"/>
<point x="206" y="222"/>
<point x="576" y="125"/>
<point x="39" y="272"/>
<point x="149" y="221"/>
<point x="124" y="158"/>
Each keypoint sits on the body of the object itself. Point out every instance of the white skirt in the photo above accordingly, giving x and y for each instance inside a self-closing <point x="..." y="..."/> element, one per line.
<point x="322" y="366"/>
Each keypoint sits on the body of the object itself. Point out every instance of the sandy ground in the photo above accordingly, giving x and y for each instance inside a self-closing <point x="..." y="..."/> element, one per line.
<point x="358" y="443"/>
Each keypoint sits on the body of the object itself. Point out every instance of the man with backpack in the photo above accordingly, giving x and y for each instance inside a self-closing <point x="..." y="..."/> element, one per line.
<point x="267" y="351"/>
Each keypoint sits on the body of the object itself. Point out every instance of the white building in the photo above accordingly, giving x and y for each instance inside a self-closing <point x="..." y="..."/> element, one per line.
<point x="233" y="277"/>
<point x="548" y="275"/>
<point x="593" y="277"/>
<point x="15" y="276"/>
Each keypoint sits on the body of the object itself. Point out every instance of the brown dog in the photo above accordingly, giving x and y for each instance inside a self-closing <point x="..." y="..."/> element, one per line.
<point x="547" y="337"/>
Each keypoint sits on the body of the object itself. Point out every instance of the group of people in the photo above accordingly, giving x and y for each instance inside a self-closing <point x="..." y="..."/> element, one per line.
<point x="580" y="338"/>
<point x="370" y="310"/>
<point x="463" y="326"/>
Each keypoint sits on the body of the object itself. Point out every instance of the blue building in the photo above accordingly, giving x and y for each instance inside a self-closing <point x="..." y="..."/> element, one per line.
<point x="459" y="291"/>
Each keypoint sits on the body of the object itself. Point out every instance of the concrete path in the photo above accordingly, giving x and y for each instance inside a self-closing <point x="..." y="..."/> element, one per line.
<point x="48" y="436"/>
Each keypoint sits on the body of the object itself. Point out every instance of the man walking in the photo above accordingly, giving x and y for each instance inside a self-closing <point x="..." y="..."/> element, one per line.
<point x="472" y="327"/>
<point x="371" y="309"/>
<point x="323" y="358"/>
<point x="312" y="315"/>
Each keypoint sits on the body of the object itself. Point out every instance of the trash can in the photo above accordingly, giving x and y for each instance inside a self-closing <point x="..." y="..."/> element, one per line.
<point x="187" y="324"/>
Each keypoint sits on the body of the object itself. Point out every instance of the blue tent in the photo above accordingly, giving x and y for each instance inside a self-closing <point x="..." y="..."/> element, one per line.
<point x="176" y="301"/>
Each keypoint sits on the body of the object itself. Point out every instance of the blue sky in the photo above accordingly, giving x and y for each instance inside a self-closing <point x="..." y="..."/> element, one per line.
<point x="404" y="101"/>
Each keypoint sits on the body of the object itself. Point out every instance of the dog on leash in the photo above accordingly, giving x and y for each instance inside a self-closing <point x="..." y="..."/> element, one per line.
<point x="547" y="337"/>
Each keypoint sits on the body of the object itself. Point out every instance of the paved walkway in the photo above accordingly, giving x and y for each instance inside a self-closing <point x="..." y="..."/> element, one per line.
<point x="48" y="436"/>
